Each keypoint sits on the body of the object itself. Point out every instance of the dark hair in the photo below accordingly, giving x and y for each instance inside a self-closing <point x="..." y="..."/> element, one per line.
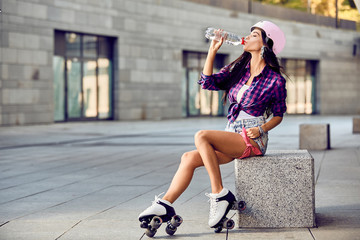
<point x="238" y="67"/>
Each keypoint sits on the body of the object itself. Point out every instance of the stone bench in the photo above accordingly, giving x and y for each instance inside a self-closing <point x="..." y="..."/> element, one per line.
<point x="314" y="136"/>
<point x="278" y="189"/>
<point x="356" y="125"/>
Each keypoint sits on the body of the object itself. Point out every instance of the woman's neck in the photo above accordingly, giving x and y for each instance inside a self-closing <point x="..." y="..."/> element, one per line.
<point x="257" y="64"/>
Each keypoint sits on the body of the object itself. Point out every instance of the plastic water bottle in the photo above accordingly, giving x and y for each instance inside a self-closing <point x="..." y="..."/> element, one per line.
<point x="231" y="38"/>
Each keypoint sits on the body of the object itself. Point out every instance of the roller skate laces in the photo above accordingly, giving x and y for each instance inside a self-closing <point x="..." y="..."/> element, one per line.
<point x="153" y="205"/>
<point x="214" y="207"/>
<point x="219" y="205"/>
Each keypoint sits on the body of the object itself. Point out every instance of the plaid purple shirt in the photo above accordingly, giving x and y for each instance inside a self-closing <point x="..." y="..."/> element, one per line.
<point x="267" y="88"/>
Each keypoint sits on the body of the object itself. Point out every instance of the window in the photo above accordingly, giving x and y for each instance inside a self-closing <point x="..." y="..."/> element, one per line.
<point x="301" y="86"/>
<point x="196" y="101"/>
<point x="83" y="80"/>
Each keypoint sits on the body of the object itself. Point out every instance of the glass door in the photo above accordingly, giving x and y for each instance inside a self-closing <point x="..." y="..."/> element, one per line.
<point x="197" y="101"/>
<point x="59" y="88"/>
<point x="301" y="86"/>
<point x="89" y="89"/>
<point x="82" y="76"/>
<point x="74" y="92"/>
<point x="104" y="88"/>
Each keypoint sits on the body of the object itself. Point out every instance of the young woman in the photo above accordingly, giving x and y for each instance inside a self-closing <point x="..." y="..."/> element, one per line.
<point x="254" y="87"/>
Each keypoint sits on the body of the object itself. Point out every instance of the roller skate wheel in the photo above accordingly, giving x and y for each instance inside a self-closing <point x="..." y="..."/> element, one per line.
<point x="229" y="224"/>
<point x="156" y="222"/>
<point x="176" y="221"/>
<point x="170" y="229"/>
<point x="144" y="224"/>
<point x="242" y="205"/>
<point x="218" y="229"/>
<point x="150" y="232"/>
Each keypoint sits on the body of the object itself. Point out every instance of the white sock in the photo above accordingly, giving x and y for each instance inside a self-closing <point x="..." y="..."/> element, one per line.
<point x="223" y="192"/>
<point x="166" y="202"/>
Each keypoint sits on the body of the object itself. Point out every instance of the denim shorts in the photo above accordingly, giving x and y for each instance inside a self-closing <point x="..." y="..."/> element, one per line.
<point x="236" y="127"/>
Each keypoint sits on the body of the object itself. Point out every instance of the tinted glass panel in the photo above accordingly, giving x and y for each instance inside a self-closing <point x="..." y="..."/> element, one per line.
<point x="74" y="97"/>
<point x="59" y="88"/>
<point x="90" y="89"/>
<point x="301" y="86"/>
<point x="104" y="87"/>
<point x="90" y="46"/>
<point x="83" y="77"/>
<point x="105" y="47"/>
<point x="73" y="45"/>
<point x="198" y="101"/>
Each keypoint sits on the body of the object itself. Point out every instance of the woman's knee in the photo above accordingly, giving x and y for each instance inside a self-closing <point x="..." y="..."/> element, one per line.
<point x="200" y="136"/>
<point x="190" y="159"/>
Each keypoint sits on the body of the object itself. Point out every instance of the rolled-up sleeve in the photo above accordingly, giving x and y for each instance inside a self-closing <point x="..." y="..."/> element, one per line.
<point x="215" y="81"/>
<point x="279" y="106"/>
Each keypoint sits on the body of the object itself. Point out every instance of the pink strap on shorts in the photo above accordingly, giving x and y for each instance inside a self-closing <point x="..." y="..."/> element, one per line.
<point x="249" y="147"/>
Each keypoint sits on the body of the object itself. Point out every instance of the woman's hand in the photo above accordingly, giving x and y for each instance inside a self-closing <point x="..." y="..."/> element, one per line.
<point x="217" y="42"/>
<point x="253" y="132"/>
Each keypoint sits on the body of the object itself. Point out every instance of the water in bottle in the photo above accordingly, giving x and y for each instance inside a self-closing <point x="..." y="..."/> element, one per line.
<point x="231" y="38"/>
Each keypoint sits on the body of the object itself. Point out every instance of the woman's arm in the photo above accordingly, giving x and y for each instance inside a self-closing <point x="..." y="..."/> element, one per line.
<point x="214" y="47"/>
<point x="273" y="122"/>
<point x="208" y="80"/>
<point x="208" y="67"/>
<point x="255" y="132"/>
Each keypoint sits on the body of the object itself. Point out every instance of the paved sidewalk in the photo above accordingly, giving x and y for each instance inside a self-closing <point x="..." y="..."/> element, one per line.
<point x="91" y="180"/>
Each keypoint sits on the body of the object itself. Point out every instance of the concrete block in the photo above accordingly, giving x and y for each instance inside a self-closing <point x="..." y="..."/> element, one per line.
<point x="20" y="96"/>
<point x="15" y="72"/>
<point x="31" y="41"/>
<point x="13" y="119"/>
<point x="60" y="14"/>
<point x="4" y="70"/>
<point x="141" y="76"/>
<point x="315" y="136"/>
<point x="10" y="6"/>
<point x="278" y="189"/>
<point x="81" y="18"/>
<point x="16" y="40"/>
<point x="25" y="56"/>
<point x="356" y="125"/>
<point x="4" y="37"/>
<point x="28" y="9"/>
<point x="9" y="55"/>
<point x="130" y="24"/>
<point x="17" y="20"/>
<point x="40" y="57"/>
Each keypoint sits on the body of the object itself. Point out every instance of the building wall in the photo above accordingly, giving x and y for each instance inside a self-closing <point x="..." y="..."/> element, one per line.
<point x="151" y="36"/>
<point x="269" y="10"/>
<point x="338" y="73"/>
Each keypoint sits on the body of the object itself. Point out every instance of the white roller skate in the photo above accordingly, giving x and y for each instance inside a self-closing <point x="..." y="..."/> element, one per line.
<point x="160" y="211"/>
<point x="220" y="205"/>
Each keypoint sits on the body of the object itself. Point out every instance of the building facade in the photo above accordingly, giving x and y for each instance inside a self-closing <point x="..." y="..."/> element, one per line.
<point x="65" y="60"/>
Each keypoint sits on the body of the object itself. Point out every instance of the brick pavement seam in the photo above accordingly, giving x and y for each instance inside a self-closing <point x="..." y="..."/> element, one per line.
<point x="321" y="162"/>
<point x="312" y="235"/>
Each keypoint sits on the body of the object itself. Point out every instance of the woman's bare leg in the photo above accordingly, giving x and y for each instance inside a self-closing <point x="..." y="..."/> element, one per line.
<point x="228" y="143"/>
<point x="219" y="145"/>
<point x="189" y="162"/>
